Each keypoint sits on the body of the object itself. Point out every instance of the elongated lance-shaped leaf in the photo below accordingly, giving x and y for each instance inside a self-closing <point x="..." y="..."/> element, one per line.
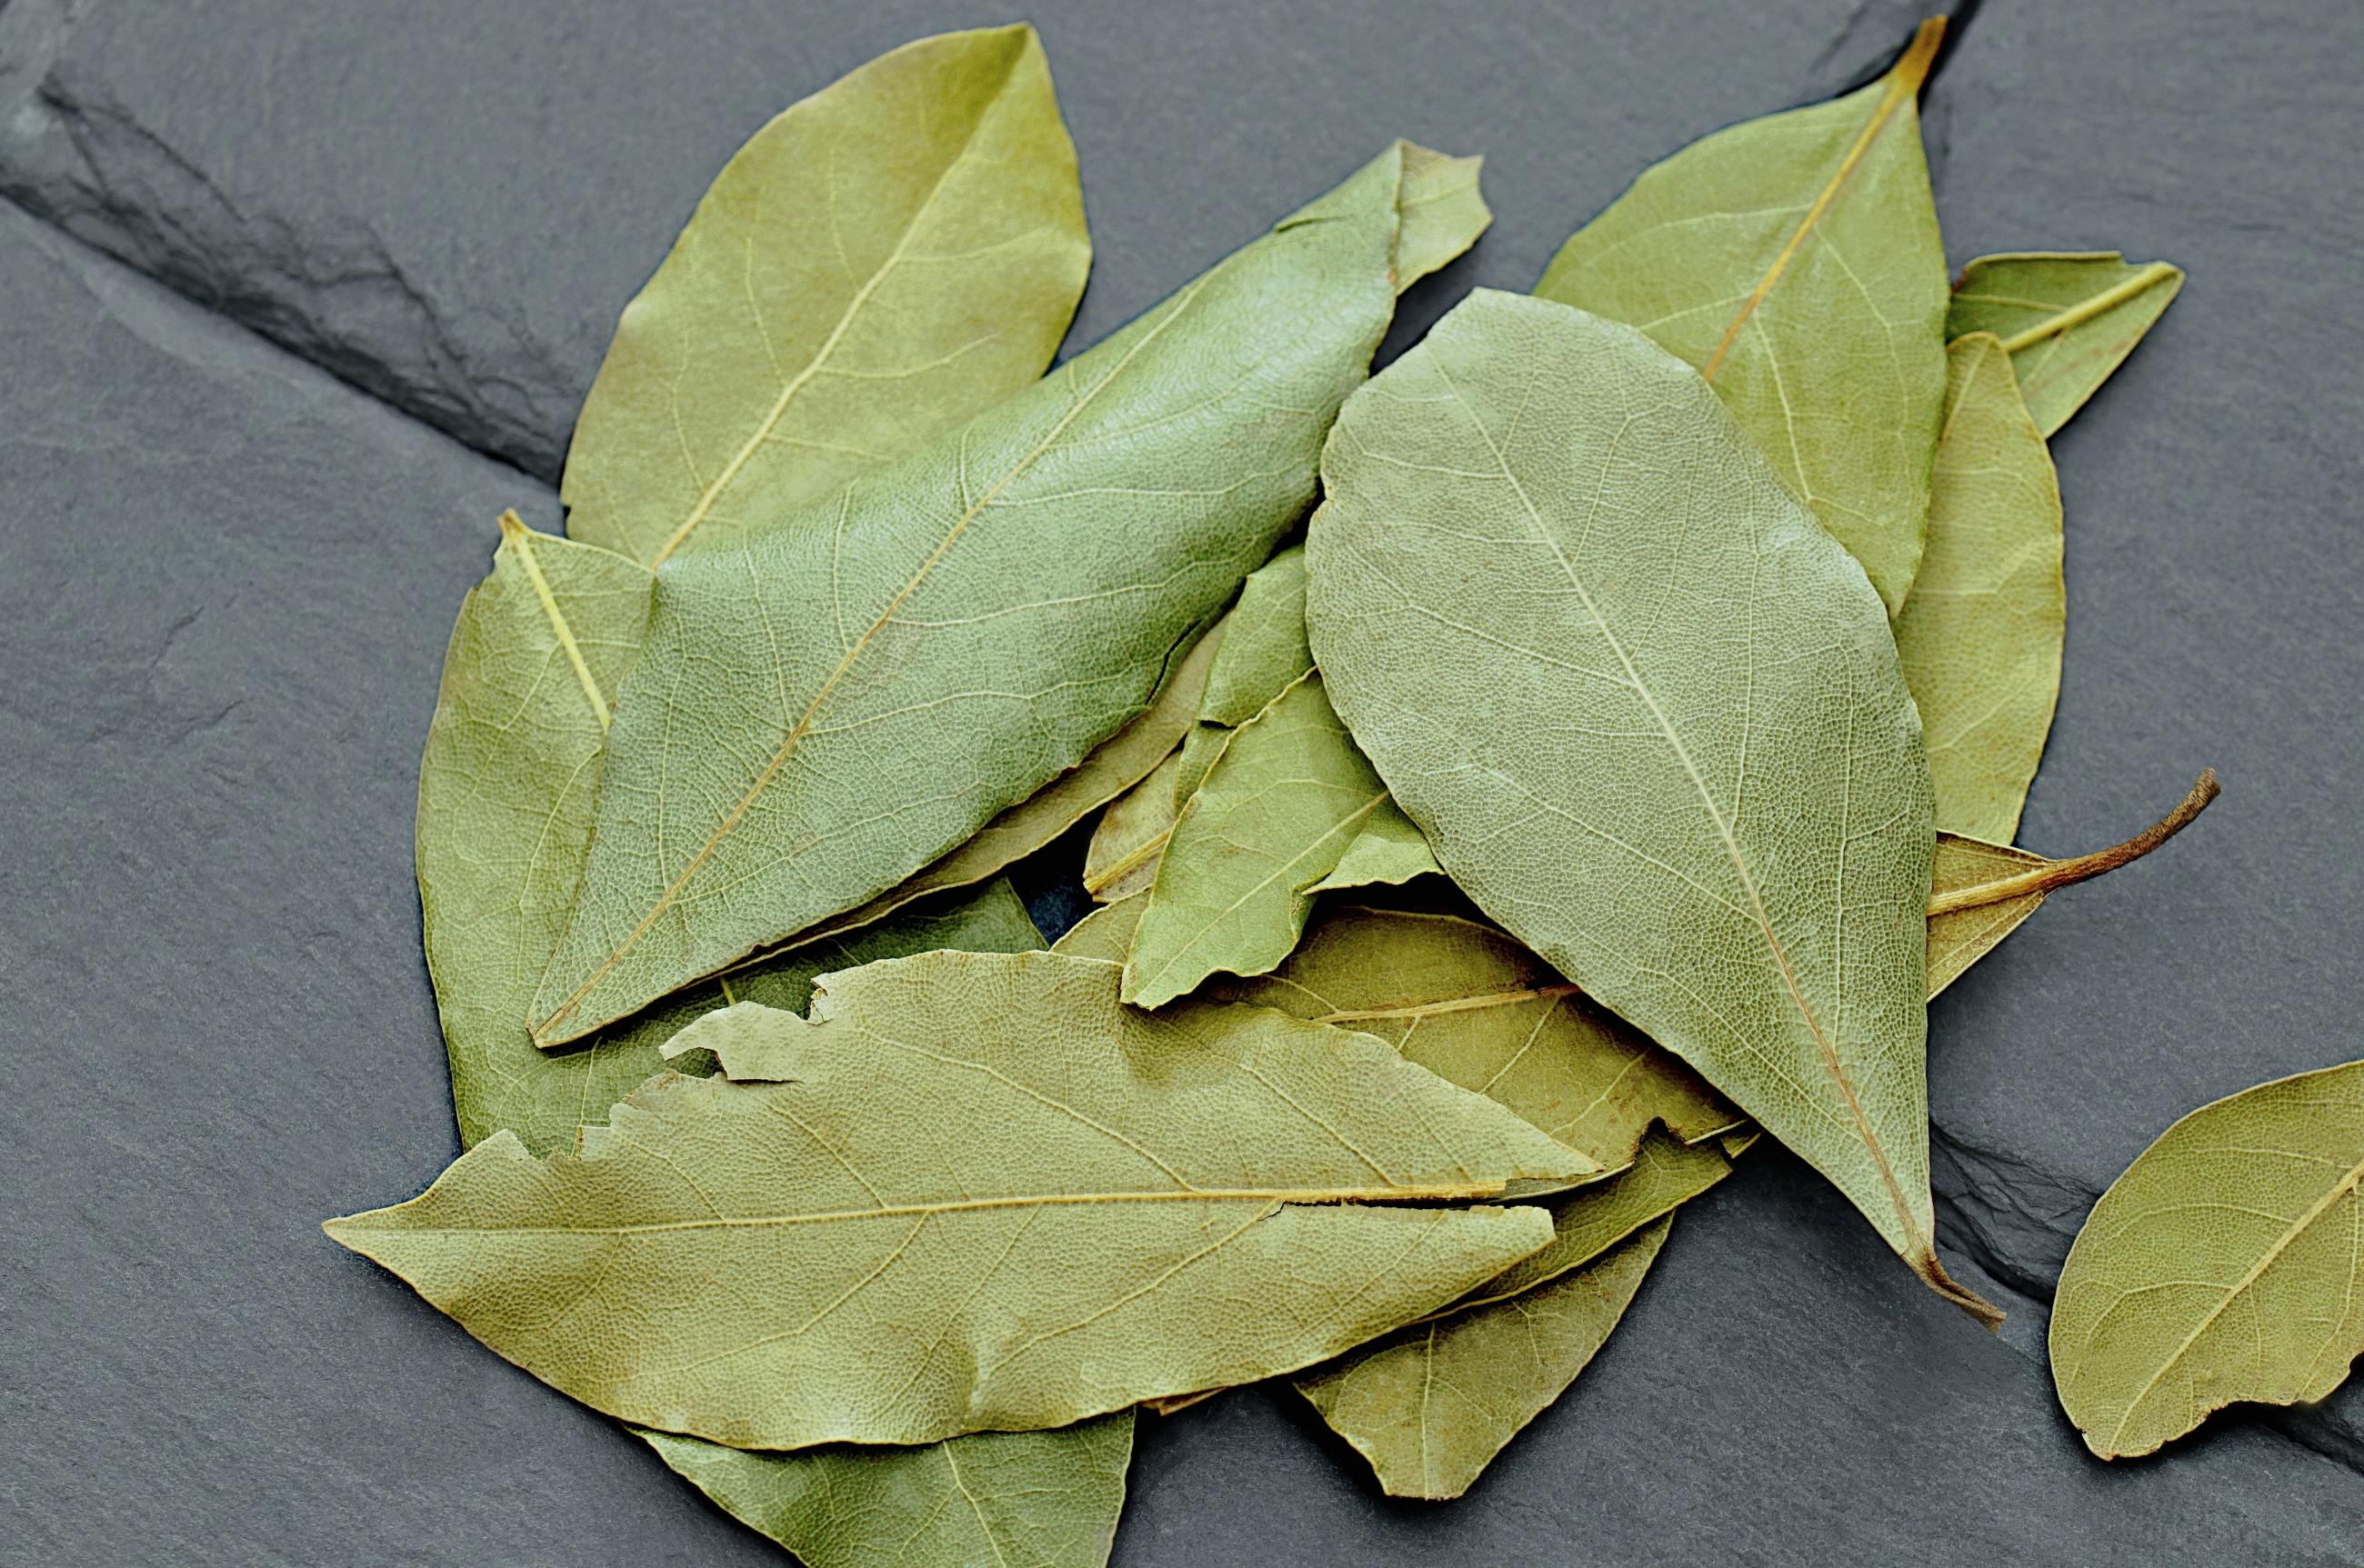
<point x="1431" y="1404"/>
<point x="895" y="253"/>
<point x="1980" y="892"/>
<point x="2067" y="319"/>
<point x="1121" y="859"/>
<point x="989" y="1197"/>
<point x="1273" y="816"/>
<point x="1469" y="1003"/>
<point x="824" y="710"/>
<point x="1649" y="716"/>
<point x="1023" y="1500"/>
<point x="1794" y="262"/>
<point x="2226" y="1264"/>
<point x="1979" y="638"/>
<point x="1265" y="652"/>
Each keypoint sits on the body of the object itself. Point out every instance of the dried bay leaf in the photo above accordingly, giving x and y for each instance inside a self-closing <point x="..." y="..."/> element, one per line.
<point x="1273" y="816"/>
<point x="1121" y="859"/>
<point x="889" y="256"/>
<point x="1430" y="1406"/>
<point x="2067" y="319"/>
<point x="1649" y="717"/>
<point x="825" y="709"/>
<point x="1795" y="262"/>
<point x="1471" y="1005"/>
<point x="1267" y="654"/>
<point x="2225" y="1264"/>
<point x="886" y="1248"/>
<point x="1979" y="638"/>
<point x="1025" y="1499"/>
<point x="1980" y="892"/>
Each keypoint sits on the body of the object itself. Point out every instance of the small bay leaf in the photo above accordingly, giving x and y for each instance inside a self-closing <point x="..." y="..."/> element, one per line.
<point x="2067" y="319"/>
<point x="2225" y="1264"/>
<point x="1979" y="638"/>
<point x="1025" y="1499"/>
<point x="1430" y="1406"/>
<point x="823" y="710"/>
<point x="1273" y="818"/>
<point x="1795" y="262"/>
<point x="1121" y="859"/>
<point x="893" y="254"/>
<point x="1267" y="654"/>
<point x="889" y="1247"/>
<point x="1649" y="717"/>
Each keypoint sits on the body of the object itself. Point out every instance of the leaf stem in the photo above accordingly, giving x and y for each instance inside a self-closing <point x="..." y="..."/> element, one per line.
<point x="2060" y="873"/>
<point x="2085" y="310"/>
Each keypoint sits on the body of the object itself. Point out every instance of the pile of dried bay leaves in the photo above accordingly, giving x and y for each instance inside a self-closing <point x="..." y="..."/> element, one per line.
<point x="1525" y="777"/>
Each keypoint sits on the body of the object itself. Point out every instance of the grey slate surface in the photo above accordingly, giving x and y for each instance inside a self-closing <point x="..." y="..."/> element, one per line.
<point x="226" y="579"/>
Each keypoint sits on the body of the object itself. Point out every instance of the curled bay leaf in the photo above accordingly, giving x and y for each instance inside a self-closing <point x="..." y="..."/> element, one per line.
<point x="884" y="1248"/>
<point x="1979" y="638"/>
<point x="1121" y="859"/>
<point x="1980" y="892"/>
<point x="1795" y="262"/>
<point x="2225" y="1264"/>
<point x="1273" y="818"/>
<point x="1649" y="714"/>
<point x="825" y="709"/>
<point x="1431" y="1404"/>
<point x="2067" y="319"/>
<point x="1041" y="1499"/>
<point x="886" y="258"/>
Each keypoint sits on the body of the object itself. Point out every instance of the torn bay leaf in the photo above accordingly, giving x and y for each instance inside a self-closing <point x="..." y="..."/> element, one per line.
<point x="2224" y="1265"/>
<point x="1650" y="718"/>
<point x="1430" y="1406"/>
<point x="889" y="257"/>
<point x="2067" y="319"/>
<point x="891" y="1247"/>
<point x="1795" y="262"/>
<point x="1026" y="1499"/>
<point x="1979" y="638"/>
<point x="822" y="711"/>
<point x="1121" y="859"/>
<point x="1471" y="1005"/>
<point x="1273" y="818"/>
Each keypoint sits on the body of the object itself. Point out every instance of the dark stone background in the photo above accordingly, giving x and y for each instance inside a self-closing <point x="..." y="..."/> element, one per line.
<point x="238" y="512"/>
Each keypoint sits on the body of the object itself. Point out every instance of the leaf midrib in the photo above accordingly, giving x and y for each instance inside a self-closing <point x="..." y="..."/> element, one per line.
<point x="1324" y="1196"/>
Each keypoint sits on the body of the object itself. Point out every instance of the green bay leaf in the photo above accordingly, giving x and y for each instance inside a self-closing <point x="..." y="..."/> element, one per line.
<point x="2067" y="319"/>
<point x="1431" y="1404"/>
<point x="1272" y="818"/>
<point x="1649" y="716"/>
<point x="822" y="711"/>
<point x="889" y="256"/>
<point x="886" y="1248"/>
<point x="1265" y="652"/>
<point x="2225" y="1264"/>
<point x="1979" y="638"/>
<point x="1795" y="262"/>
